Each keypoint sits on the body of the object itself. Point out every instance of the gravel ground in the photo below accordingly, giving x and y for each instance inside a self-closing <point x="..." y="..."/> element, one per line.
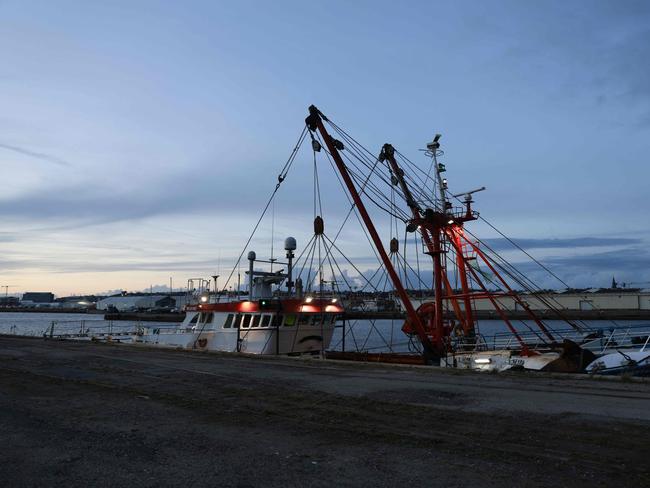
<point x="74" y="414"/>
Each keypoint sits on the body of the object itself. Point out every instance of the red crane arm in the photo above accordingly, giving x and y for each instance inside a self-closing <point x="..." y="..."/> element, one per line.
<point x="315" y="122"/>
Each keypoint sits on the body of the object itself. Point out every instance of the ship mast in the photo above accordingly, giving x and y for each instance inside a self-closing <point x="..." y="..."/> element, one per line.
<point x="433" y="225"/>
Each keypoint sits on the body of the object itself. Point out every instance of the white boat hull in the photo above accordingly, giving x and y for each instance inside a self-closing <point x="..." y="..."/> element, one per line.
<point x="636" y="363"/>
<point x="291" y="340"/>
<point x="298" y="330"/>
<point x="499" y="360"/>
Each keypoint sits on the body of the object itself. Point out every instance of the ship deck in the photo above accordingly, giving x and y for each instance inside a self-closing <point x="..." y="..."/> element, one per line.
<point x="86" y="414"/>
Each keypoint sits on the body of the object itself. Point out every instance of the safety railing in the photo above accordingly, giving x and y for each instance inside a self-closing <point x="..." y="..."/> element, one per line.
<point x="70" y="329"/>
<point x="597" y="341"/>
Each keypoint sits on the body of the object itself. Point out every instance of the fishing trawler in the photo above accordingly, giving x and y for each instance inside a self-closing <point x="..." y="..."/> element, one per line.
<point x="278" y="316"/>
<point x="465" y="269"/>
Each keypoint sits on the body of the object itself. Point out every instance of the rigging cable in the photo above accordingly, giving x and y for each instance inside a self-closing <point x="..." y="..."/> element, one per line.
<point x="281" y="178"/>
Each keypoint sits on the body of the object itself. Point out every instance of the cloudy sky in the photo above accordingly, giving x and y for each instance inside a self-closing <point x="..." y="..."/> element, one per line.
<point x="139" y="140"/>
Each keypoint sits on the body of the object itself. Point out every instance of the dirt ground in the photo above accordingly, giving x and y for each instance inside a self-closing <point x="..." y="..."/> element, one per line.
<point x="74" y="414"/>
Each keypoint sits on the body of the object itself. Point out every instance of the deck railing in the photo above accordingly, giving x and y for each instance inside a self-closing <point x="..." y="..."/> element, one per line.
<point x="597" y="341"/>
<point x="68" y="329"/>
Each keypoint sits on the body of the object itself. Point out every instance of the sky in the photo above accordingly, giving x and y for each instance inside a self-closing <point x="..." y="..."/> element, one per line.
<point x="140" y="140"/>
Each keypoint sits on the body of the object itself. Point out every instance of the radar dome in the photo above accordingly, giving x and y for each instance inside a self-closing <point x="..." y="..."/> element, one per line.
<point x="290" y="244"/>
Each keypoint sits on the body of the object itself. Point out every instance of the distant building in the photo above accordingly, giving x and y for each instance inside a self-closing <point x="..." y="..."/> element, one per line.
<point x="590" y="299"/>
<point x="130" y="303"/>
<point x="38" y="297"/>
<point x="9" y="301"/>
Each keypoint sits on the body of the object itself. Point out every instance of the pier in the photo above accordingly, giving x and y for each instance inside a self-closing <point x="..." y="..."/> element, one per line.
<point x="86" y="414"/>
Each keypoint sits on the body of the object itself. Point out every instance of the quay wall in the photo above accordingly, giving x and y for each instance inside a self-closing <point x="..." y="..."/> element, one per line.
<point x="568" y="301"/>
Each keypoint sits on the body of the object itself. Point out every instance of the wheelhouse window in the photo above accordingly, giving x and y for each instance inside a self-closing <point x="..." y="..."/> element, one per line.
<point x="194" y="319"/>
<point x="256" y="321"/>
<point x="266" y="320"/>
<point x="277" y="320"/>
<point x="304" y="319"/>
<point x="246" y="321"/>
<point x="289" y="320"/>
<point x="228" y="323"/>
<point x="206" y="317"/>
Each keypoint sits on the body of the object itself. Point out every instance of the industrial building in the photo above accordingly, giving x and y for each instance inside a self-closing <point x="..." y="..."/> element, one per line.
<point x="9" y="301"/>
<point x="36" y="298"/>
<point x="593" y="299"/>
<point x="130" y="303"/>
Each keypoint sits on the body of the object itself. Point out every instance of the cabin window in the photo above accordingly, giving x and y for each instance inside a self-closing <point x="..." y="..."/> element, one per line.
<point x="277" y="320"/>
<point x="194" y="319"/>
<point x="256" y="321"/>
<point x="206" y="317"/>
<point x="289" y="320"/>
<point x="228" y="322"/>
<point x="304" y="319"/>
<point x="266" y="320"/>
<point x="246" y="321"/>
<point x="318" y="319"/>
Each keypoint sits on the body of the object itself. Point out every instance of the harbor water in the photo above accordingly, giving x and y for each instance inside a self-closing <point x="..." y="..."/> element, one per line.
<point x="357" y="335"/>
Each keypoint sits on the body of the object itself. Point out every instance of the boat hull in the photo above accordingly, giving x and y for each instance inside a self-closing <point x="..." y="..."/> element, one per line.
<point x="277" y="341"/>
<point x="635" y="363"/>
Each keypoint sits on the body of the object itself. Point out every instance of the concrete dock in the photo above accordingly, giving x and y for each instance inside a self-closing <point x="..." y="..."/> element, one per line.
<point x="84" y="414"/>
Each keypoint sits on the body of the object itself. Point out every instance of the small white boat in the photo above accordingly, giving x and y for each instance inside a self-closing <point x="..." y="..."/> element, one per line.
<point x="500" y="360"/>
<point x="636" y="363"/>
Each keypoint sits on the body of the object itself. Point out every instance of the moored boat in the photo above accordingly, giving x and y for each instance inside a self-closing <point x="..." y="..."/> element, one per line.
<point x="634" y="363"/>
<point x="263" y="326"/>
<point x="267" y="321"/>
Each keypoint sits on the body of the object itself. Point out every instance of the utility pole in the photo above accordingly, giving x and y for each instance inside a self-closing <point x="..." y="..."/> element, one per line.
<point x="6" y="287"/>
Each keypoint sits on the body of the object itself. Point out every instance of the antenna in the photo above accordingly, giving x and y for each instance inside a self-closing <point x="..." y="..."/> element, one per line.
<point x="215" y="277"/>
<point x="468" y="193"/>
